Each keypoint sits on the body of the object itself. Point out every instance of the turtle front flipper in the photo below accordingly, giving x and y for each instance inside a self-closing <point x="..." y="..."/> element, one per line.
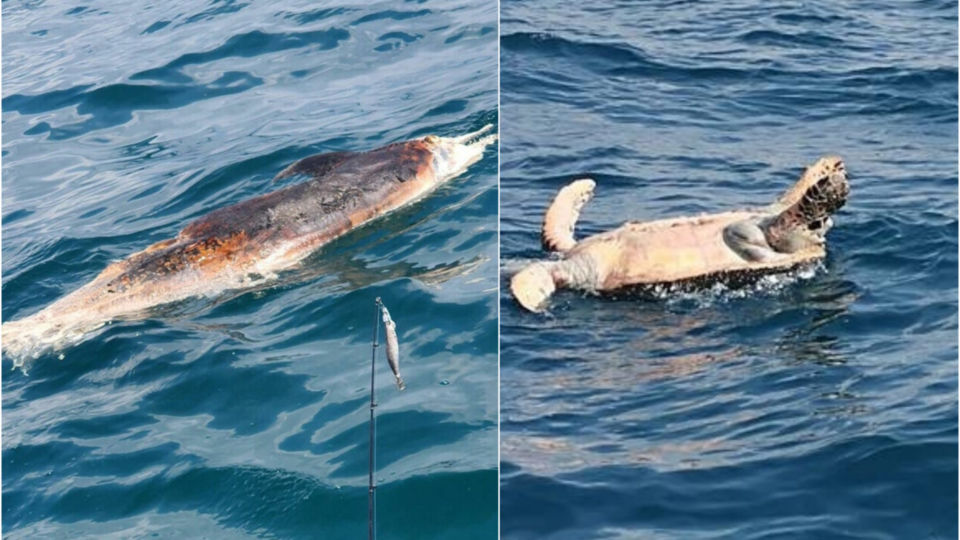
<point x="563" y="213"/>
<point x="747" y="240"/>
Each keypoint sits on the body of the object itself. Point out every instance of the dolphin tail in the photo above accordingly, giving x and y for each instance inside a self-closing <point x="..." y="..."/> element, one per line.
<point x="25" y="339"/>
<point x="561" y="217"/>
<point x="29" y="338"/>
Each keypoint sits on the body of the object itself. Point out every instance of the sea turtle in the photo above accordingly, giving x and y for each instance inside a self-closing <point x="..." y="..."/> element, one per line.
<point x="244" y="245"/>
<point x="725" y="246"/>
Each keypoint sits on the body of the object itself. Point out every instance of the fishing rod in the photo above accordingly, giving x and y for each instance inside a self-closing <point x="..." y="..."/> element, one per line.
<point x="372" y="494"/>
<point x="393" y="358"/>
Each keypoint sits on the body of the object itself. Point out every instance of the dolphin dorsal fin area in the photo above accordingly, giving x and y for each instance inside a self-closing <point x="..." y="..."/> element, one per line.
<point x="314" y="166"/>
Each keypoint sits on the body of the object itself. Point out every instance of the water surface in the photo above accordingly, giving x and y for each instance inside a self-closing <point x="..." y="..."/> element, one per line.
<point x="819" y="406"/>
<point x="124" y="121"/>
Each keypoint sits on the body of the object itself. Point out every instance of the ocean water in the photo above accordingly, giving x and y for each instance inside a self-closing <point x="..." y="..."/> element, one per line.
<point x="247" y="417"/>
<point x="821" y="405"/>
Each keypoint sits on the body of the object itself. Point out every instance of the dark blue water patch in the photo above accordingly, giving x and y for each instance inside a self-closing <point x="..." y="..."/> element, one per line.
<point x="25" y="458"/>
<point x="317" y="14"/>
<point x="784" y="39"/>
<point x="253" y="43"/>
<point x="473" y="516"/>
<point x="680" y="501"/>
<point x="291" y="504"/>
<point x="114" y="104"/>
<point x="392" y="430"/>
<point x="145" y="193"/>
<point x="15" y="215"/>
<point x="156" y="27"/>
<point x="401" y="36"/>
<point x="104" y="427"/>
<point x="484" y="30"/>
<point x="222" y="7"/>
<point x="391" y="15"/>
<point x="395" y="41"/>
<point x="48" y="101"/>
<point x="750" y="84"/>
<point x="249" y="498"/>
<point x="257" y="395"/>
<point x="476" y="241"/>
<point x="808" y="17"/>
<point x="40" y="127"/>
<point x="450" y="107"/>
<point x="302" y="440"/>
<point x="124" y="464"/>
<point x="621" y="60"/>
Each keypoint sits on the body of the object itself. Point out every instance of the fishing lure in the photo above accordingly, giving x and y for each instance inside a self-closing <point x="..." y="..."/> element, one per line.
<point x="393" y="346"/>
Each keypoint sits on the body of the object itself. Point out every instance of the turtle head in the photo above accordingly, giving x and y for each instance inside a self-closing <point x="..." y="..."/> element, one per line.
<point x="454" y="155"/>
<point x="820" y="192"/>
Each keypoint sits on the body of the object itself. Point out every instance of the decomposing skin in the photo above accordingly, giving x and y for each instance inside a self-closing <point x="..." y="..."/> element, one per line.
<point x="393" y="346"/>
<point x="787" y="234"/>
<point x="246" y="244"/>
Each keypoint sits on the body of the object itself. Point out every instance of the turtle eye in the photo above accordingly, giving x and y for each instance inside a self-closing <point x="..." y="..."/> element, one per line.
<point x="816" y="225"/>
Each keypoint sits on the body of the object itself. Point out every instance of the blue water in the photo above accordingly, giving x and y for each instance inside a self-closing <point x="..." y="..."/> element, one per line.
<point x="122" y="121"/>
<point x="822" y="406"/>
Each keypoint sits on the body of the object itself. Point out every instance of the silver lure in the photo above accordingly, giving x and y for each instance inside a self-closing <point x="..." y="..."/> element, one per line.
<point x="393" y="346"/>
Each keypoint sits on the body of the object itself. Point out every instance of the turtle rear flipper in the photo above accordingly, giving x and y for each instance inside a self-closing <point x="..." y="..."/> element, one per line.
<point x="562" y="215"/>
<point x="533" y="286"/>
